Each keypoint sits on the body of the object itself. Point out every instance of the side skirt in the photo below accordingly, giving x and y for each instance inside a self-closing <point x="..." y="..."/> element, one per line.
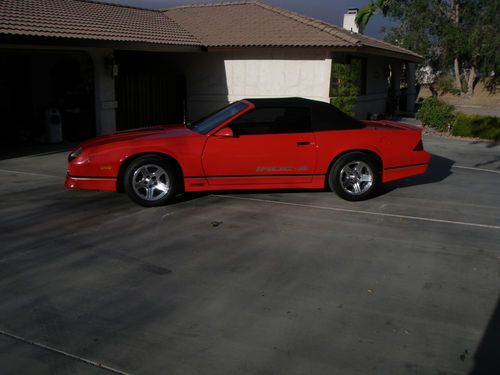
<point x="192" y="184"/>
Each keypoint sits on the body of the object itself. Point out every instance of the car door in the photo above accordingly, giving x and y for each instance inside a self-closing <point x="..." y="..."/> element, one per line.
<point x="264" y="146"/>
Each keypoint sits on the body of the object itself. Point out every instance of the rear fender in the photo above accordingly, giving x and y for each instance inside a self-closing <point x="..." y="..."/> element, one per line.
<point x="370" y="151"/>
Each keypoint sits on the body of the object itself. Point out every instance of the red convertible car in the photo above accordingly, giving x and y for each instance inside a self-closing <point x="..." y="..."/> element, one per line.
<point x="252" y="144"/>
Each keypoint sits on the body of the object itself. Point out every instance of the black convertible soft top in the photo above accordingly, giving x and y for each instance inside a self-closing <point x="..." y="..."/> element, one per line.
<point x="324" y="116"/>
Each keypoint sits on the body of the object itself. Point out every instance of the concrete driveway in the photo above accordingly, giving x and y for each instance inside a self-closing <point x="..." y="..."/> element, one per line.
<point x="254" y="283"/>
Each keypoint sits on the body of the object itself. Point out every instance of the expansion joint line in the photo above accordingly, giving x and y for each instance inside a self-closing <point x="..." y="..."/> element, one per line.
<point x="63" y="353"/>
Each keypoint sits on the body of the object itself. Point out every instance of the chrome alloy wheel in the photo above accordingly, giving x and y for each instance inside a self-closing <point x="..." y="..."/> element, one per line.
<point x="356" y="177"/>
<point x="150" y="182"/>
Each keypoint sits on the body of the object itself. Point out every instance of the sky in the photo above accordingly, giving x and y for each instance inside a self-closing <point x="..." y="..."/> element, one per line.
<point x="331" y="11"/>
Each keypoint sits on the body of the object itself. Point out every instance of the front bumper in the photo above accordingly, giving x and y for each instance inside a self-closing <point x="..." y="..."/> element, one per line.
<point x="90" y="183"/>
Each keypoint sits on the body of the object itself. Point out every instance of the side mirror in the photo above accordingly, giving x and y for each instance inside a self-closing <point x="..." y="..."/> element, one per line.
<point x="225" y="133"/>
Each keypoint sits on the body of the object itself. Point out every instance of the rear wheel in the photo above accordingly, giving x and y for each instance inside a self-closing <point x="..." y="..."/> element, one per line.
<point x="354" y="176"/>
<point x="150" y="181"/>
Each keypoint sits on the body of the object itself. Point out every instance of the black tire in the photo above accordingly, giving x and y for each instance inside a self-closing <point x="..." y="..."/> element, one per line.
<point x="349" y="176"/>
<point x="151" y="181"/>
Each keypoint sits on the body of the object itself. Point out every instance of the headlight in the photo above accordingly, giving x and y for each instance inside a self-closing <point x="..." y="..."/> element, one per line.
<point x="74" y="154"/>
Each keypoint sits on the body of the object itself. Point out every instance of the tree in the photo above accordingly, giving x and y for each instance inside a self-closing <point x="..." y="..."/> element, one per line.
<point x="365" y="13"/>
<point x="453" y="35"/>
<point x="345" y="88"/>
<point x="479" y="46"/>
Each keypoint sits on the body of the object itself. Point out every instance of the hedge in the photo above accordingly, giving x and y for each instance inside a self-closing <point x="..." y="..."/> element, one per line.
<point x="442" y="117"/>
<point x="436" y="114"/>
<point x="486" y="127"/>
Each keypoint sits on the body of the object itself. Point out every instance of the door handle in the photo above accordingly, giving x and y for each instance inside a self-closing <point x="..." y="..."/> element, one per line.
<point x="303" y="143"/>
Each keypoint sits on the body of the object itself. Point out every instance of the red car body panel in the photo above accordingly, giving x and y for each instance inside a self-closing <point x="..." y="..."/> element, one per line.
<point x="270" y="161"/>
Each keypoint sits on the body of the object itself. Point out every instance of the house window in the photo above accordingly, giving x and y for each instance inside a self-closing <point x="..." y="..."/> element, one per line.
<point x="348" y="77"/>
<point x="273" y="121"/>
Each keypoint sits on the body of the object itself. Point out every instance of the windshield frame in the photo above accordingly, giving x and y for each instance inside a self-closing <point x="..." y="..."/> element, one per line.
<point x="204" y="125"/>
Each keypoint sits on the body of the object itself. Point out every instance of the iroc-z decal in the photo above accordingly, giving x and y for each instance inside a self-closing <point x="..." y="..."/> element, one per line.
<point x="302" y="168"/>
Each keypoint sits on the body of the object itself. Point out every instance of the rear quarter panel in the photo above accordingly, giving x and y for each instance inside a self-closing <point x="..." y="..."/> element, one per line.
<point x="394" y="146"/>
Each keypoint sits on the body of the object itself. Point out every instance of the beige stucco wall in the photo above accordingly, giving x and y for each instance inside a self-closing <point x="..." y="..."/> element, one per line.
<point x="216" y="78"/>
<point x="278" y="76"/>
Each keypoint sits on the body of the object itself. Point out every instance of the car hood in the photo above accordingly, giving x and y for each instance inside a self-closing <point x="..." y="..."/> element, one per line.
<point x="159" y="131"/>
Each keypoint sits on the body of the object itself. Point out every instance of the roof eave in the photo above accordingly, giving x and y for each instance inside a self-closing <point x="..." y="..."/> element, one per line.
<point x="217" y="48"/>
<point x="405" y="56"/>
<point x="78" y="42"/>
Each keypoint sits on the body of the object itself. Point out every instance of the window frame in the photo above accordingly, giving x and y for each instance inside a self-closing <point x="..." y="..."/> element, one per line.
<point x="219" y="122"/>
<point x="307" y="109"/>
<point x="361" y="82"/>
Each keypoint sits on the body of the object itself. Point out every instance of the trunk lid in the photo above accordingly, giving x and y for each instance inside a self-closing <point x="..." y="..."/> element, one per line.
<point x="391" y="125"/>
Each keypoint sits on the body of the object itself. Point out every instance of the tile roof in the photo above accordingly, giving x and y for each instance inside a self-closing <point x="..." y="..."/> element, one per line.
<point x="90" y="20"/>
<point x="236" y="24"/>
<point x="252" y="23"/>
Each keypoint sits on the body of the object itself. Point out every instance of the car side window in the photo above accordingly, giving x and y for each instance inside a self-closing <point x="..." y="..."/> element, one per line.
<point x="273" y="121"/>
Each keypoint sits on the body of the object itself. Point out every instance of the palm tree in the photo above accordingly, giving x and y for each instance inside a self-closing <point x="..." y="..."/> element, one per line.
<point x="373" y="7"/>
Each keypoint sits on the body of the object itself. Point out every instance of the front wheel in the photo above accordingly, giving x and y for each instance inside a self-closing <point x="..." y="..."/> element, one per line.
<point x="150" y="181"/>
<point x="354" y="176"/>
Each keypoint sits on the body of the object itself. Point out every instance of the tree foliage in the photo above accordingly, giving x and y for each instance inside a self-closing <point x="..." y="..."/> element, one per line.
<point x="452" y="35"/>
<point x="477" y="39"/>
<point x="373" y="7"/>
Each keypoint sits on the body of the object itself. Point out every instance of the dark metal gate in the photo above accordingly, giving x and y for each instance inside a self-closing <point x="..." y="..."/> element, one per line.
<point x="149" y="99"/>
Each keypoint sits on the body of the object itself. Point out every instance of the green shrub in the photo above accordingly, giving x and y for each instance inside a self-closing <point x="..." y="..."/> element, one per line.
<point x="344" y="88"/>
<point x="486" y="127"/>
<point x="436" y="114"/>
<point x="345" y="103"/>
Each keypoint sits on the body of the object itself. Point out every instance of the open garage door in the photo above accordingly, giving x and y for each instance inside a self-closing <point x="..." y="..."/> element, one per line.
<point x="32" y="82"/>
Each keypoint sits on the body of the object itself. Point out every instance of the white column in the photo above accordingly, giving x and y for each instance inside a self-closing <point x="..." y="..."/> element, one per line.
<point x="104" y="88"/>
<point x="412" y="92"/>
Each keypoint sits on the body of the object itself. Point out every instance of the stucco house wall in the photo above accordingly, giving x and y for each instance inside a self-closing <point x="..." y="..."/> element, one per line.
<point x="216" y="78"/>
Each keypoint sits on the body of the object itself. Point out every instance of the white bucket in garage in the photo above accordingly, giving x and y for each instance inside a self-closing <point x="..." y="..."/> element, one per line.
<point x="53" y="126"/>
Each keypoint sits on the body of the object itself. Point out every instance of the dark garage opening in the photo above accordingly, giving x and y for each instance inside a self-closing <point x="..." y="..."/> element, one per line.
<point x="150" y="90"/>
<point x="32" y="82"/>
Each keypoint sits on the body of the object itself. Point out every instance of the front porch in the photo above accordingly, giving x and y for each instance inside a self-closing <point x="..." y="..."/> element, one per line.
<point x="101" y="89"/>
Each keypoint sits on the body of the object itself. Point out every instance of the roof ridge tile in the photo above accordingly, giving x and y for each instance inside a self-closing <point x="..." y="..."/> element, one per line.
<point x="333" y="29"/>
<point x="116" y="5"/>
<point x="206" y="5"/>
<point x="321" y="25"/>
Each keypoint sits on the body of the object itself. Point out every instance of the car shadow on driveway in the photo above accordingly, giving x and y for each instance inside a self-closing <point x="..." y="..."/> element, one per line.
<point x="488" y="143"/>
<point x="439" y="170"/>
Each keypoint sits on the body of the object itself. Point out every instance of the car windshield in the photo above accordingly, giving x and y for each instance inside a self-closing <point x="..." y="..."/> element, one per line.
<point x="207" y="123"/>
